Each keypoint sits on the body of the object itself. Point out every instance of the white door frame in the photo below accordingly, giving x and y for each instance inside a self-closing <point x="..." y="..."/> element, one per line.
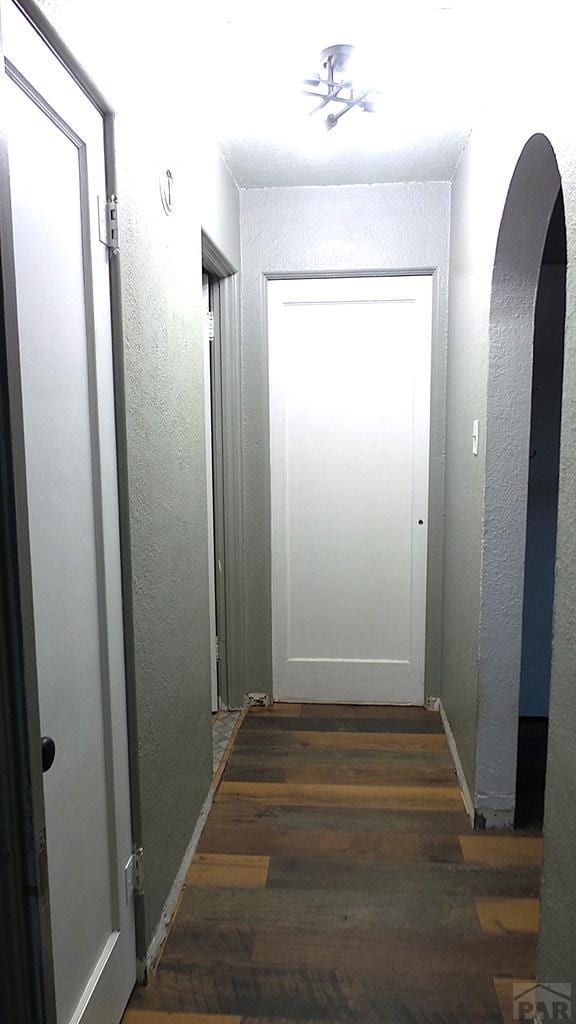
<point x="19" y="638"/>
<point x="228" y="495"/>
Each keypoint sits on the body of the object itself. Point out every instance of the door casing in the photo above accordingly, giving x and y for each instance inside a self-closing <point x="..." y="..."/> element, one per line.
<point x="228" y="474"/>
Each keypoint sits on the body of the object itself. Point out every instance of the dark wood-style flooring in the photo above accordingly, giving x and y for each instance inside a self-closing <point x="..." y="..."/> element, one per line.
<point x="338" y="880"/>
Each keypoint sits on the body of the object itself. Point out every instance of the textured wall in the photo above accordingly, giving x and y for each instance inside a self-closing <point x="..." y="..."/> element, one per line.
<point x="466" y="401"/>
<point x="478" y="199"/>
<point x="495" y="263"/>
<point x="318" y="230"/>
<point x="163" y="356"/>
<point x="165" y="433"/>
<point x="529" y="204"/>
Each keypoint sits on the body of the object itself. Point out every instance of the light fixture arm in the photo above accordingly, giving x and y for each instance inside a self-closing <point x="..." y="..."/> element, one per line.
<point x="329" y="89"/>
<point x="332" y="95"/>
<point x="333" y="98"/>
<point x="332" y="119"/>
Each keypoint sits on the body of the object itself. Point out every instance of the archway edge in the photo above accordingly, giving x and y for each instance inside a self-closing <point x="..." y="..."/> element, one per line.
<point x="530" y="199"/>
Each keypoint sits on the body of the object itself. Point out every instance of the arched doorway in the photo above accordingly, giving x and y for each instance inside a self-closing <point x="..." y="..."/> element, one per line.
<point x="532" y="196"/>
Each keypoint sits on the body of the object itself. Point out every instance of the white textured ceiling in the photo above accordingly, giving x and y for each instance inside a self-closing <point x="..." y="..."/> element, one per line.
<point x="426" y="58"/>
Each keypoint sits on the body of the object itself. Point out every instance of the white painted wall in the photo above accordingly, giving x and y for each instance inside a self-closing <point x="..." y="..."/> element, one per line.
<point x="220" y="202"/>
<point x="317" y="230"/>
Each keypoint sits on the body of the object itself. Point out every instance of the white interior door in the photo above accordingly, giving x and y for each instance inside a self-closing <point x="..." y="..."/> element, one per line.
<point x="349" y="425"/>
<point x="55" y="141"/>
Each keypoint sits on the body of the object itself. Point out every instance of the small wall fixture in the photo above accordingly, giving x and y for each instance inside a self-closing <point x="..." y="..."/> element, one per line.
<point x="167" y="191"/>
<point x="334" y="85"/>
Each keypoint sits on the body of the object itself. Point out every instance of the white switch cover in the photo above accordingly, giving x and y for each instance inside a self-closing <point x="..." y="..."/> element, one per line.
<point x="475" y="437"/>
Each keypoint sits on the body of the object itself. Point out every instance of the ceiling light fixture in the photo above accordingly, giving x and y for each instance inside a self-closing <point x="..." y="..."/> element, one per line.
<point x="334" y="85"/>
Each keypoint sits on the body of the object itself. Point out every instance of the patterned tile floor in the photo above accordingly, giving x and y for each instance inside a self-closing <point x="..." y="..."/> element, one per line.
<point x="223" y="723"/>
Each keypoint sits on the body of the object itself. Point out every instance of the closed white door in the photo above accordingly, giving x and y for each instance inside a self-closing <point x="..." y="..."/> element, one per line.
<point x="56" y="155"/>
<point x="349" y="425"/>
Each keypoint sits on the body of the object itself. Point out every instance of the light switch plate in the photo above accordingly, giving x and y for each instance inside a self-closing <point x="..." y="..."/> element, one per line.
<point x="475" y="437"/>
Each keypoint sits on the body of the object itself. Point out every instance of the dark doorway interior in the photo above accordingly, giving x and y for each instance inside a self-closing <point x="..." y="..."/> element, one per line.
<point x="541" y="525"/>
<point x="531" y="777"/>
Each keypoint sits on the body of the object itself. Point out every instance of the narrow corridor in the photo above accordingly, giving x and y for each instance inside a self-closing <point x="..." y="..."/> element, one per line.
<point x="338" y="879"/>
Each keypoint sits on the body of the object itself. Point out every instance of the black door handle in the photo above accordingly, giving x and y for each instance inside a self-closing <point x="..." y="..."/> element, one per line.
<point x="48" y="753"/>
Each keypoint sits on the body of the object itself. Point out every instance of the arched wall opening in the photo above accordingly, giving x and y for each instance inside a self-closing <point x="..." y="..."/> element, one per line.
<point x="530" y="202"/>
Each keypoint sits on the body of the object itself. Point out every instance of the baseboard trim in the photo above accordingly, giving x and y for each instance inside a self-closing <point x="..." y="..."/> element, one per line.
<point x="466" y="795"/>
<point x="488" y="818"/>
<point x="146" y="966"/>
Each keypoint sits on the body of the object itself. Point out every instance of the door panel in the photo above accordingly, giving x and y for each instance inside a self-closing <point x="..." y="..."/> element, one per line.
<point x="55" y="140"/>
<point x="349" y="386"/>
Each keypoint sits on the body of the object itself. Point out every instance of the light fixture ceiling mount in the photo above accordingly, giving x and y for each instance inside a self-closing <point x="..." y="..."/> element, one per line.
<point x="334" y="85"/>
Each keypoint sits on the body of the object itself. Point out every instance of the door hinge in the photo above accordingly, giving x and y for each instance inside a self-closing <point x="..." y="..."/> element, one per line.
<point x="134" y="874"/>
<point x="210" y="325"/>
<point x="108" y="223"/>
<point x="217" y="649"/>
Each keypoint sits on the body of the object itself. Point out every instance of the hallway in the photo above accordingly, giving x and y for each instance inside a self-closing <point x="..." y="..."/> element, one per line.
<point x="338" y="879"/>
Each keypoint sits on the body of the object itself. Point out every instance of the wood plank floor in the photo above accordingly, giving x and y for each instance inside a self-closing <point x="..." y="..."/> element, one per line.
<point x="338" y="881"/>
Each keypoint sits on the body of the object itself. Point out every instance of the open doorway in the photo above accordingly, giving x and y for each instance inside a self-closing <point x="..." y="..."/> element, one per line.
<point x="524" y="311"/>
<point x="224" y="493"/>
<point x="541" y="521"/>
<point x="224" y="482"/>
<point x="215" y="474"/>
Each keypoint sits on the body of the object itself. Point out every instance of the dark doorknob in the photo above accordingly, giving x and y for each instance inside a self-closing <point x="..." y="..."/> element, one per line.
<point x="48" y="753"/>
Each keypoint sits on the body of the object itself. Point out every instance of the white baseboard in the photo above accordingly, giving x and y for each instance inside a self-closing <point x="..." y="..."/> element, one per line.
<point x="145" y="966"/>
<point x="466" y="795"/>
<point x="485" y="813"/>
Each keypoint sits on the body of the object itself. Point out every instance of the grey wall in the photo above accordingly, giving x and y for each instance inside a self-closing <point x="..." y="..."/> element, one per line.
<point x="316" y="230"/>
<point x="170" y="705"/>
<point x="498" y="233"/>
<point x="529" y="204"/>
<point x="478" y="199"/>
<point x="543" y="492"/>
<point x="466" y="401"/>
<point x="475" y="544"/>
<point x="161" y="263"/>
